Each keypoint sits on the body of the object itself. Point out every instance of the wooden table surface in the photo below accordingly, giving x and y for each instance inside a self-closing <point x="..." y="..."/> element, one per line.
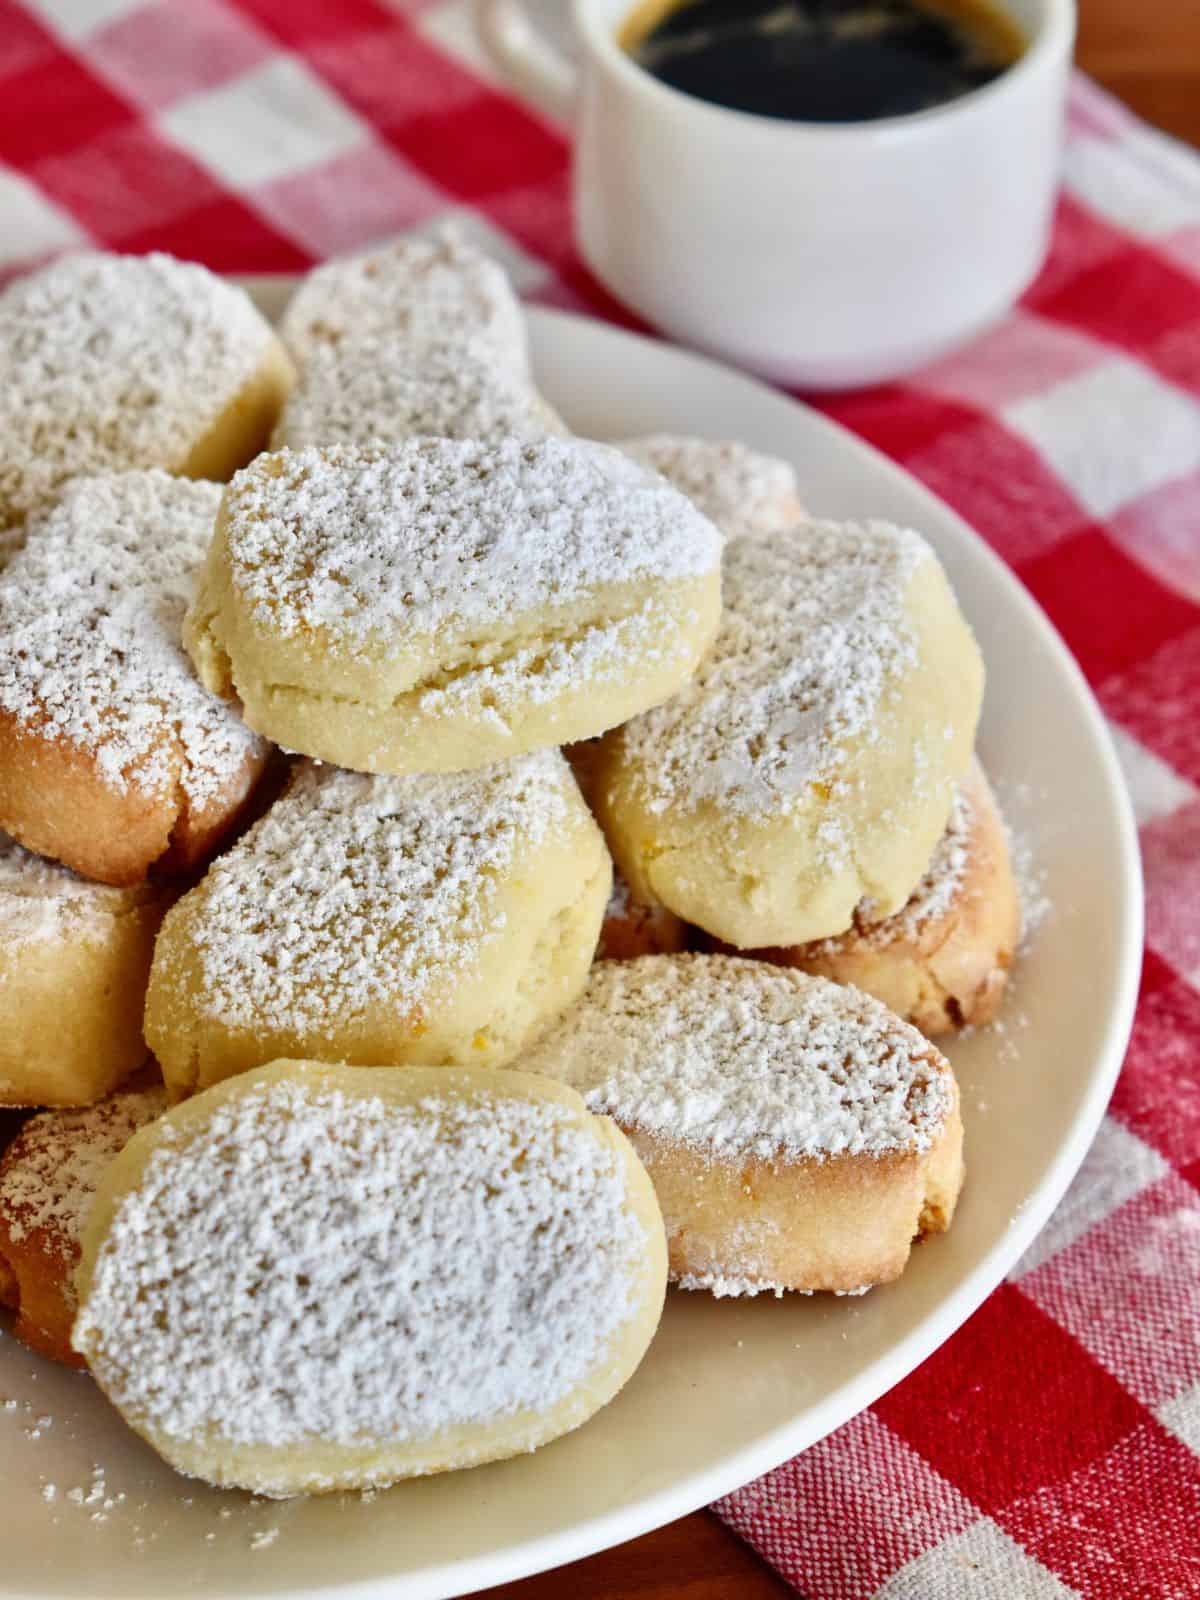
<point x="1148" y="53"/>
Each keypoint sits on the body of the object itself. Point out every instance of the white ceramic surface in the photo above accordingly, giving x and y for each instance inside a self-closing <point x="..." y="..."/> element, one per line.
<point x="826" y="255"/>
<point x="729" y="1389"/>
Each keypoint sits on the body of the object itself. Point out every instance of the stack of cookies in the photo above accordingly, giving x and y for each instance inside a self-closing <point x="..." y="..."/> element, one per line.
<point x="456" y="876"/>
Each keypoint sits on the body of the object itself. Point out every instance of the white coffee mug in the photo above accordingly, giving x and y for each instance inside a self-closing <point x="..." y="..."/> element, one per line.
<point x="819" y="254"/>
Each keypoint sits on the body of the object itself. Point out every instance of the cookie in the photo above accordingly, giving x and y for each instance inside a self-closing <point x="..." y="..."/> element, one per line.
<point x="437" y="605"/>
<point x="48" y="1178"/>
<point x="798" y="1135"/>
<point x="812" y="760"/>
<point x="384" y="389"/>
<point x="112" y="362"/>
<point x="942" y="961"/>
<point x="318" y="1278"/>
<point x="436" y="289"/>
<point x="438" y="919"/>
<point x="113" y="756"/>
<point x="74" y="962"/>
<point x="741" y="490"/>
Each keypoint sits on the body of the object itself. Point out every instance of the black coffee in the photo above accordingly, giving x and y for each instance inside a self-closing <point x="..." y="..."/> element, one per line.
<point x="823" y="60"/>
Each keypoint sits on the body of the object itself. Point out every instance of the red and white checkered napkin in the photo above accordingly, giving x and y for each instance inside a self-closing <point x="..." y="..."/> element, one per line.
<point x="1050" y="1448"/>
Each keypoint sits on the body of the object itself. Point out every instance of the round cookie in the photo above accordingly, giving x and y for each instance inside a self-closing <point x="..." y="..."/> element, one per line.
<point x="435" y="289"/>
<point x="379" y="921"/>
<point x="112" y="362"/>
<point x="113" y="757"/>
<point x="437" y="604"/>
<point x="741" y="490"/>
<point x="384" y="389"/>
<point x="812" y="760"/>
<point x="74" y="960"/>
<point x="318" y="1278"/>
<point x="942" y="961"/>
<point x="48" y="1178"/>
<point x="798" y="1135"/>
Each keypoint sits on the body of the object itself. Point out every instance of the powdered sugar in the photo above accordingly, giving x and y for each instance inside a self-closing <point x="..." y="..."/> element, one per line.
<point x="112" y="362"/>
<point x="620" y="902"/>
<point x="90" y="618"/>
<point x="362" y="542"/>
<point x="384" y="389"/>
<point x="1030" y="878"/>
<point x="41" y="900"/>
<point x="814" y="640"/>
<point x="741" y="490"/>
<point x="943" y="880"/>
<point x="355" y="892"/>
<point x="724" y="1287"/>
<point x="500" y="690"/>
<point x="48" y="1176"/>
<point x="319" y="1264"/>
<point x="436" y="289"/>
<point x="736" y="1058"/>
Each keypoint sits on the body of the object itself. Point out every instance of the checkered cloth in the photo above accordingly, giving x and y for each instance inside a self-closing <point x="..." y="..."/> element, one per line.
<point x="1049" y="1448"/>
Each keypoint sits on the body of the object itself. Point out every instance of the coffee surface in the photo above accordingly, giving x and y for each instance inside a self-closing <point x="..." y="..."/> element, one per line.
<point x="823" y="60"/>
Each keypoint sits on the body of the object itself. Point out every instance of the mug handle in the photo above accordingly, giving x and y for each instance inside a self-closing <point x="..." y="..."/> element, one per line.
<point x="534" y="67"/>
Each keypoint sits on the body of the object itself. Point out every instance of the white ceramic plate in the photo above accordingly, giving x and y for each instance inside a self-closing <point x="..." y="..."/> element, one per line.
<point x="728" y="1389"/>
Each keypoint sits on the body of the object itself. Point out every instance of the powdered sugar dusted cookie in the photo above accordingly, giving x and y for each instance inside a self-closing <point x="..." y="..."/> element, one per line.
<point x="942" y="960"/>
<point x="431" y="919"/>
<point x="113" y="756"/>
<point x="434" y="289"/>
<point x="74" y="961"/>
<point x="316" y="1278"/>
<point x="437" y="604"/>
<point x="798" y="1135"/>
<point x="111" y="362"/>
<point x="741" y="490"/>
<point x="384" y="389"/>
<point x="48" y="1179"/>
<point x="812" y="760"/>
